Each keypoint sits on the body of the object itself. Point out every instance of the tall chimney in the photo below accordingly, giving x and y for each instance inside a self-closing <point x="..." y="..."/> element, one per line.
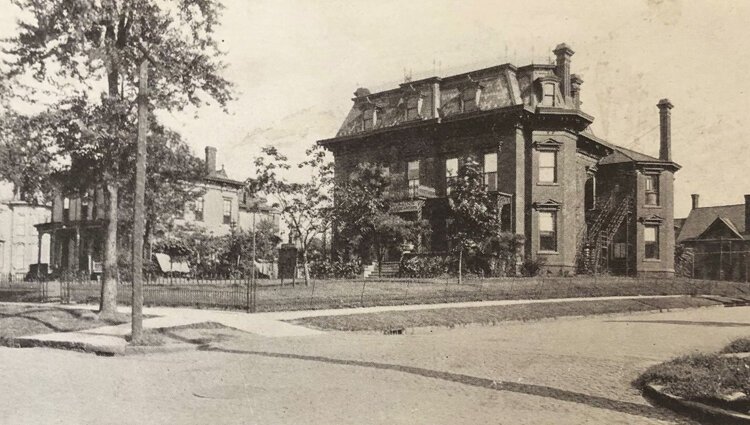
<point x="665" y="123"/>
<point x="747" y="213"/>
<point x="563" y="53"/>
<point x="210" y="159"/>
<point x="575" y="89"/>
<point x="696" y="198"/>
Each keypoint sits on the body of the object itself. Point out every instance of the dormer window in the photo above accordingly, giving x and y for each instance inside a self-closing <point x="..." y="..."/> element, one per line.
<point x="548" y="94"/>
<point x="413" y="106"/>
<point x="66" y="209"/>
<point x="369" y="118"/>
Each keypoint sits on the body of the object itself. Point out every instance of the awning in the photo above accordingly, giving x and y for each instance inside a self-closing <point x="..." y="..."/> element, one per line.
<point x="168" y="266"/>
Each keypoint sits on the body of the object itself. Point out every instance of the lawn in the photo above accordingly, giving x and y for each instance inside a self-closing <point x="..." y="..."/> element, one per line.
<point x="450" y="317"/>
<point x="23" y="320"/>
<point x="324" y="294"/>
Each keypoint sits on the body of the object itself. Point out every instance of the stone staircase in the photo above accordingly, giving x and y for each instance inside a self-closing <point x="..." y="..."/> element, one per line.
<point x="388" y="269"/>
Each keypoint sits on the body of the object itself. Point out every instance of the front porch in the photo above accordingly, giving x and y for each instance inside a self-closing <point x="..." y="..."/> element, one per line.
<point x="75" y="247"/>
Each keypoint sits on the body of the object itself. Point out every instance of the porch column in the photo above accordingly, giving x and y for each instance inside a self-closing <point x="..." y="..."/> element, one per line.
<point x="52" y="251"/>
<point x="39" y="253"/>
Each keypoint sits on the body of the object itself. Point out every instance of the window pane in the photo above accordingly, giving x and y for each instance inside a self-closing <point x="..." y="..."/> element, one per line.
<point x="546" y="222"/>
<point x="451" y="167"/>
<point x="547" y="175"/>
<point x="549" y="90"/>
<point x="649" y="234"/>
<point x="547" y="159"/>
<point x="413" y="170"/>
<point x="490" y="162"/>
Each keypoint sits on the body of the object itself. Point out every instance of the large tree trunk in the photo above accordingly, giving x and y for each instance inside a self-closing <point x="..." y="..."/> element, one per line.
<point x="108" y="302"/>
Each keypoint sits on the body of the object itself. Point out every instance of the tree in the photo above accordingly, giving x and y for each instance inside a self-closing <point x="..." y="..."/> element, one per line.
<point x="27" y="154"/>
<point x="363" y="214"/>
<point x="305" y="207"/>
<point x="86" y="41"/>
<point x="473" y="212"/>
<point x="239" y="247"/>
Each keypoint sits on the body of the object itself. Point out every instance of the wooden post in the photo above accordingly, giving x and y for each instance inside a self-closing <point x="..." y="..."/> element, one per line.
<point x="138" y="210"/>
<point x="254" y="272"/>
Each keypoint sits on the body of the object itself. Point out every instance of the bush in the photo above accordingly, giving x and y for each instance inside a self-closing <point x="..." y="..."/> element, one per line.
<point x="531" y="267"/>
<point x="741" y="345"/>
<point x="336" y="269"/>
<point x="699" y="376"/>
<point x="422" y="267"/>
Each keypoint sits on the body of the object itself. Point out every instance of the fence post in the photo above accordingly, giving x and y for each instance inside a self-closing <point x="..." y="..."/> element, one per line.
<point x="247" y="295"/>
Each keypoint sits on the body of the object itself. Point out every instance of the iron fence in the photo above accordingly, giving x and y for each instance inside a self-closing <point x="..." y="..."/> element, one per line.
<point x="271" y="295"/>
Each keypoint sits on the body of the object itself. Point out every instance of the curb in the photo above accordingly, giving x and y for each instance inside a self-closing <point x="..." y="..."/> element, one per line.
<point x="693" y="409"/>
<point x="99" y="350"/>
<point x="102" y="350"/>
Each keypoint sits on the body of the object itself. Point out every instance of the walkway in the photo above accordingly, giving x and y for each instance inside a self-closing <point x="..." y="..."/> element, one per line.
<point x="272" y="325"/>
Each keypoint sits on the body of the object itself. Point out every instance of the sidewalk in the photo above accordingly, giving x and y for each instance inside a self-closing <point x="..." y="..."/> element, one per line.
<point x="111" y="339"/>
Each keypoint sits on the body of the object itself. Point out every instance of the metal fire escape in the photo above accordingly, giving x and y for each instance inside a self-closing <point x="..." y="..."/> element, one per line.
<point x="600" y="234"/>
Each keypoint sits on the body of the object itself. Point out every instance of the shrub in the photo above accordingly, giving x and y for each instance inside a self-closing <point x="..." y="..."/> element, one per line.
<point x="336" y="269"/>
<point x="699" y="376"/>
<point x="531" y="267"/>
<point x="422" y="267"/>
<point x="741" y="345"/>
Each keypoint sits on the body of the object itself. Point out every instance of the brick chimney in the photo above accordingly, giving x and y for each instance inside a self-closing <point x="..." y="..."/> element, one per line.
<point x="575" y="90"/>
<point x="210" y="159"/>
<point x="665" y="123"/>
<point x="563" y="53"/>
<point x="696" y="198"/>
<point x="747" y="213"/>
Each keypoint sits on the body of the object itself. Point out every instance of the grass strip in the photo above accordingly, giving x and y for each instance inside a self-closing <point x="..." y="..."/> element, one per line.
<point x="451" y="317"/>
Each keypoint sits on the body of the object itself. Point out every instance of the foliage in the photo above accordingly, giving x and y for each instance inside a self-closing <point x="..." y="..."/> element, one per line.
<point x="741" y="345"/>
<point x="684" y="259"/>
<point x="501" y="252"/>
<point x="305" y="207"/>
<point x="27" y="154"/>
<point x="700" y="376"/>
<point x="339" y="268"/>
<point x="73" y="45"/>
<point x="473" y="210"/>
<point x="363" y="216"/>
<point x="82" y="41"/>
<point x="212" y="255"/>
<point x="473" y="214"/>
<point x="423" y="267"/>
<point x="531" y="266"/>
<point x="238" y="252"/>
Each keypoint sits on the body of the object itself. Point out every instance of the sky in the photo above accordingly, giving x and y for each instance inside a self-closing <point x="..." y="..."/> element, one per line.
<point x="297" y="63"/>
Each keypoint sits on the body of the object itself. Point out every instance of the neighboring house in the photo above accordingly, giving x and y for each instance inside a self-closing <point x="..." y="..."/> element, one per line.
<point x="19" y="239"/>
<point x="76" y="228"/>
<point x="581" y="203"/>
<point x="225" y="204"/>
<point x="719" y="240"/>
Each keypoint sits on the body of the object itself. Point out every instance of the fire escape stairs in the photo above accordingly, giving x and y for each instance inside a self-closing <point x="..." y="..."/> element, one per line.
<point x="602" y="231"/>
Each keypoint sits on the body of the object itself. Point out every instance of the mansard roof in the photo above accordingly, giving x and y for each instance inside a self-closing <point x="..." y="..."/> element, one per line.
<point x="500" y="86"/>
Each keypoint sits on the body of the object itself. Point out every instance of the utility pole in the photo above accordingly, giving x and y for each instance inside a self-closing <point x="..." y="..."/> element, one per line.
<point x="138" y="210"/>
